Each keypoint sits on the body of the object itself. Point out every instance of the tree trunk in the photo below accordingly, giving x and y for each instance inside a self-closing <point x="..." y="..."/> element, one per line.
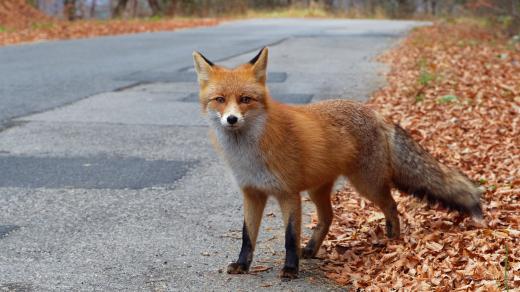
<point x="70" y="9"/>
<point x="514" y="27"/>
<point x="120" y="7"/>
<point x="403" y="8"/>
<point x="93" y="9"/>
<point x="172" y="8"/>
<point x="154" y="5"/>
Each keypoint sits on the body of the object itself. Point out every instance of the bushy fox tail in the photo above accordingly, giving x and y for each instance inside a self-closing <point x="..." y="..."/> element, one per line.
<point x="417" y="172"/>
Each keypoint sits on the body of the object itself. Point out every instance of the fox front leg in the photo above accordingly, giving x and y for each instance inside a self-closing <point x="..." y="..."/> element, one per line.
<point x="254" y="204"/>
<point x="292" y="216"/>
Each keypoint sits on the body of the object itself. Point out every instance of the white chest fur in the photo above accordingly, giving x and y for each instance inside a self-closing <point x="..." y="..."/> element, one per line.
<point x="244" y="156"/>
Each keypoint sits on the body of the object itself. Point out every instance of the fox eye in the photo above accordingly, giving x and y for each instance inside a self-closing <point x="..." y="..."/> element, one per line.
<point x="220" y="99"/>
<point x="245" y="99"/>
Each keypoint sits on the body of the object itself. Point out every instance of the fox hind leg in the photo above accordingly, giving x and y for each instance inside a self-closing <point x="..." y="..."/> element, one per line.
<point x="378" y="192"/>
<point x="320" y="196"/>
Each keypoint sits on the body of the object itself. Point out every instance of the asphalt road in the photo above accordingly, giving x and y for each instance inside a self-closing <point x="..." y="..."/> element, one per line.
<point x="107" y="179"/>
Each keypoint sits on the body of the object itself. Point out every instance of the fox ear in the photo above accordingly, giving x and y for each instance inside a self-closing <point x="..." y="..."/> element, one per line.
<point x="259" y="63"/>
<point x="203" y="67"/>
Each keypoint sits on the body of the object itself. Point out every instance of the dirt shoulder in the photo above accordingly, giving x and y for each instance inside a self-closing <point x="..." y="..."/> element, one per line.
<point x="456" y="89"/>
<point x="21" y="23"/>
<point x="62" y="30"/>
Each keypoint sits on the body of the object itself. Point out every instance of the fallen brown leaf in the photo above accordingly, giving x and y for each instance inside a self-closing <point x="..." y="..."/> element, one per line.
<point x="259" y="269"/>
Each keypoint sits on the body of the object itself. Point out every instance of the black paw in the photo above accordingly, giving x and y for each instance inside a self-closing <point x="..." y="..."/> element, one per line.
<point x="236" y="268"/>
<point x="289" y="273"/>
<point x="308" y="253"/>
<point x="392" y="230"/>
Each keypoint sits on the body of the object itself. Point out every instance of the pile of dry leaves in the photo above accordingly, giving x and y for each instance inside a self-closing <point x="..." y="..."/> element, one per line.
<point x="456" y="89"/>
<point x="20" y="23"/>
<point x="17" y="14"/>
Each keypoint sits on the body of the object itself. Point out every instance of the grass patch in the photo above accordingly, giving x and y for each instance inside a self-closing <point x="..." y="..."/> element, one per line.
<point x="425" y="77"/>
<point x="165" y="18"/>
<point x="447" y="99"/>
<point x="42" y="25"/>
<point x="5" y="29"/>
<point x="317" y="11"/>
<point x="468" y="43"/>
<point x="161" y="18"/>
<point x="482" y="22"/>
<point x="156" y="18"/>
<point x="419" y="98"/>
<point x="291" y="12"/>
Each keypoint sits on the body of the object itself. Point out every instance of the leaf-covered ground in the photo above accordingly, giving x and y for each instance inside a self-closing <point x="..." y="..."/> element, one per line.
<point x="21" y="23"/>
<point x="456" y="89"/>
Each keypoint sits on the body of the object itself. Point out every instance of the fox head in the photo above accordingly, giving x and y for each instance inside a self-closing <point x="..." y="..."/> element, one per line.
<point x="233" y="99"/>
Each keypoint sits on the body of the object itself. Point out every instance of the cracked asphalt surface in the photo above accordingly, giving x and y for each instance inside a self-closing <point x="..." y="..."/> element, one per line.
<point x="107" y="178"/>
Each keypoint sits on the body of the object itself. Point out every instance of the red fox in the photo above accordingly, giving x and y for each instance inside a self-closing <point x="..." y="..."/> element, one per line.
<point x="280" y="150"/>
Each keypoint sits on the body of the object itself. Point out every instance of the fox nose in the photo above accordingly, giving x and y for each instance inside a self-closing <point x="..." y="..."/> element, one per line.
<point x="232" y="119"/>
